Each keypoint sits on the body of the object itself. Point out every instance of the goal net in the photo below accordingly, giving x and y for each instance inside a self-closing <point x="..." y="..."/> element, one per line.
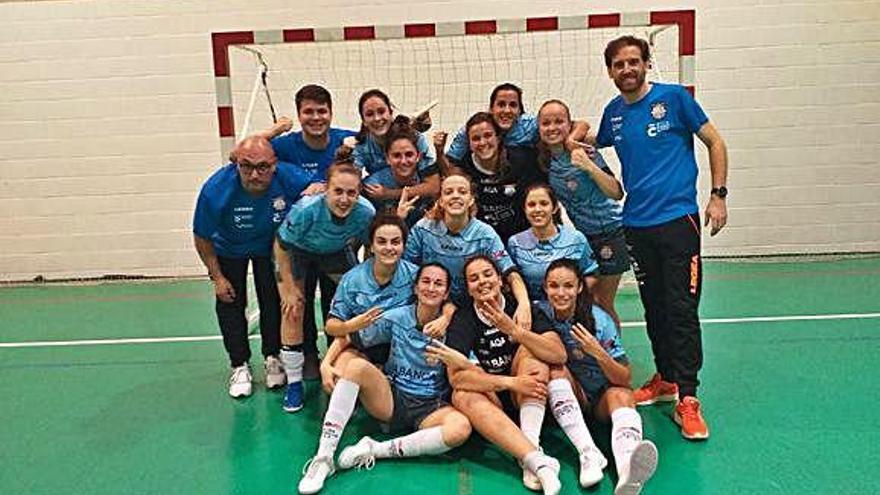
<point x="553" y="58"/>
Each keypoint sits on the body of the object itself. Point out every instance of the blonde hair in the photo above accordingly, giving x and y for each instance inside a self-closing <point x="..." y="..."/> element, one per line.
<point x="437" y="212"/>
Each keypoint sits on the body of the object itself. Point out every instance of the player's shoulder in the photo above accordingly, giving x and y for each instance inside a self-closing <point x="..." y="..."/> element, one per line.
<point x="605" y="324"/>
<point x="523" y="240"/>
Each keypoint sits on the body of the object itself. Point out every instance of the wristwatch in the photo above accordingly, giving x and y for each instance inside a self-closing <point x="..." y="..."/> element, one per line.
<point x="721" y="191"/>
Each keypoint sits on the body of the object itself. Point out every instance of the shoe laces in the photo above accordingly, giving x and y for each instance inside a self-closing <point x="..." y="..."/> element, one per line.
<point x="689" y="410"/>
<point x="240" y="374"/>
<point x="310" y="469"/>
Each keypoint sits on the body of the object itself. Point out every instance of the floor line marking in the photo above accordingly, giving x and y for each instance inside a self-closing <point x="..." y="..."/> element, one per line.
<point x="206" y="338"/>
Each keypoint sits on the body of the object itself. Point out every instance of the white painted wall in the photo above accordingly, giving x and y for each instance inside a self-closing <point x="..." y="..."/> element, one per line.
<point x="108" y="119"/>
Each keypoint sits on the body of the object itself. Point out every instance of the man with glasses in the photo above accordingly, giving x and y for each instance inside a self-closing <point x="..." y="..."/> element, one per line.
<point x="238" y="210"/>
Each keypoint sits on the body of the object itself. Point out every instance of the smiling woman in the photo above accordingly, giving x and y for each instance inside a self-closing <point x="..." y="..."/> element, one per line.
<point x="323" y="233"/>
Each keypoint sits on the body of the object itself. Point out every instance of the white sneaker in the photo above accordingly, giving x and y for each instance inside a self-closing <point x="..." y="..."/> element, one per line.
<point x="316" y="470"/>
<point x="275" y="376"/>
<point x="548" y="475"/>
<point x="530" y="480"/>
<point x="359" y="455"/>
<point x="642" y="465"/>
<point x="240" y="381"/>
<point x="592" y="464"/>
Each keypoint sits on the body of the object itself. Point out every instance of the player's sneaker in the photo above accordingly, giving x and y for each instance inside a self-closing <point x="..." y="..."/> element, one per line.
<point x="316" y="470"/>
<point x="274" y="370"/>
<point x="656" y="390"/>
<point x="240" y="381"/>
<point x="592" y="464"/>
<point x="530" y="480"/>
<point x="688" y="416"/>
<point x="641" y="467"/>
<point x="360" y="455"/>
<point x="293" y="397"/>
<point x="548" y="474"/>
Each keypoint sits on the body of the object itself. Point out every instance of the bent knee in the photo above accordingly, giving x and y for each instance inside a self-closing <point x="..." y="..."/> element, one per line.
<point x="356" y="368"/>
<point x="620" y="397"/>
<point x="558" y="371"/>
<point x="456" y="429"/>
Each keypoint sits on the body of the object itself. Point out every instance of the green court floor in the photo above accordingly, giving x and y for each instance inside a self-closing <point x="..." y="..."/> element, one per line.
<point x="791" y="391"/>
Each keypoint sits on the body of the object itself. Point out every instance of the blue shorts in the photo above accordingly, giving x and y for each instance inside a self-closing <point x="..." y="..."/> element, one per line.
<point x="609" y="249"/>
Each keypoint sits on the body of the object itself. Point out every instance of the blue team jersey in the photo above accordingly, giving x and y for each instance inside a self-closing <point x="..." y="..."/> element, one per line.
<point x="430" y="241"/>
<point x="590" y="210"/>
<point x="240" y="225"/>
<point x="583" y="366"/>
<point x="523" y="133"/>
<point x="654" y="139"/>
<point x="533" y="256"/>
<point x="310" y="226"/>
<point x="358" y="290"/>
<point x="370" y="156"/>
<point x="385" y="177"/>
<point x="292" y="148"/>
<point x="406" y="367"/>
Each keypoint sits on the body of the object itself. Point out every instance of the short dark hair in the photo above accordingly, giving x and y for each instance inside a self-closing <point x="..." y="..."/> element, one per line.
<point x="507" y="87"/>
<point x="383" y="219"/>
<point x="313" y="92"/>
<point x="618" y="44"/>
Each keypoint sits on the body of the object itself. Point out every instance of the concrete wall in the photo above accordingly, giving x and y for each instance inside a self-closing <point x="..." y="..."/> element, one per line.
<point x="108" y="120"/>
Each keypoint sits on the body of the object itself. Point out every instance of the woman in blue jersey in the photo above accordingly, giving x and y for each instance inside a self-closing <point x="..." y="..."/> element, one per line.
<point x="510" y="380"/>
<point x="321" y="232"/>
<point x="449" y="234"/>
<point x="591" y="196"/>
<point x="377" y="115"/>
<point x="411" y="395"/>
<point x="501" y="174"/>
<point x="534" y="248"/>
<point x="382" y="282"/>
<point x="596" y="376"/>
<point x="403" y="179"/>
<point x="518" y="128"/>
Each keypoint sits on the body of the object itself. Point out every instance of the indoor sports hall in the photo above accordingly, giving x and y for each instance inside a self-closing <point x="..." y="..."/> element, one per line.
<point x="112" y="367"/>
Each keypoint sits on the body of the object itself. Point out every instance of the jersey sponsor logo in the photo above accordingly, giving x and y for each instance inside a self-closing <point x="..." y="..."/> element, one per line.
<point x="654" y="129"/>
<point x="450" y="247"/>
<point x="658" y="110"/>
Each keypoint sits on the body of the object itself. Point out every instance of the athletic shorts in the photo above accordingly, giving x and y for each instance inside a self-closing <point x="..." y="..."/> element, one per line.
<point x="334" y="265"/>
<point x="410" y="410"/>
<point x="609" y="249"/>
<point x="594" y="390"/>
<point x="508" y="405"/>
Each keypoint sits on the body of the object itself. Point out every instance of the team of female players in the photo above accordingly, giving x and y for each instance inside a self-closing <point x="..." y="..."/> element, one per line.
<point x="476" y="308"/>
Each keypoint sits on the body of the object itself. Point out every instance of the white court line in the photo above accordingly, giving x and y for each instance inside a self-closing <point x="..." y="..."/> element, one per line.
<point x="754" y="319"/>
<point x="203" y="338"/>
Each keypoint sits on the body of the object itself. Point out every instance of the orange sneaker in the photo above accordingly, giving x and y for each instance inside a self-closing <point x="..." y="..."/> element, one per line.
<point x="656" y="390"/>
<point x="687" y="414"/>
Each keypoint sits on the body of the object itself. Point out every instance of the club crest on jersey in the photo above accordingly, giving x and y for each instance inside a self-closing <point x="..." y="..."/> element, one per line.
<point x="509" y="190"/>
<point x="279" y="204"/>
<point x="658" y="110"/>
<point x="571" y="184"/>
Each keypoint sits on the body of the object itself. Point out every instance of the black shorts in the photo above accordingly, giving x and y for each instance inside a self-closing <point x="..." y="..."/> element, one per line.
<point x="609" y="249"/>
<point x="334" y="265"/>
<point x="410" y="410"/>
<point x="508" y="405"/>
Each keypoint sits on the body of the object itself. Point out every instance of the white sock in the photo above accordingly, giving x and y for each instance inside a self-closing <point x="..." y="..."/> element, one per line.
<point x="293" y="365"/>
<point x="339" y="411"/>
<point x="423" y="442"/>
<point x="531" y="418"/>
<point x="568" y="414"/>
<point x="626" y="434"/>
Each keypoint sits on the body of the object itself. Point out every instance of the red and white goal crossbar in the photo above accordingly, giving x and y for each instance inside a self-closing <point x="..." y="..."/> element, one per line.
<point x="684" y="19"/>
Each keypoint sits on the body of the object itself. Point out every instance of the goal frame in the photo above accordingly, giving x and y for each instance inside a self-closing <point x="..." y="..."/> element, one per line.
<point x="222" y="41"/>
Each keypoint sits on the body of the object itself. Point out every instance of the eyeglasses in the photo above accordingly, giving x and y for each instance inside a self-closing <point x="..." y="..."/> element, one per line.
<point x="261" y="168"/>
